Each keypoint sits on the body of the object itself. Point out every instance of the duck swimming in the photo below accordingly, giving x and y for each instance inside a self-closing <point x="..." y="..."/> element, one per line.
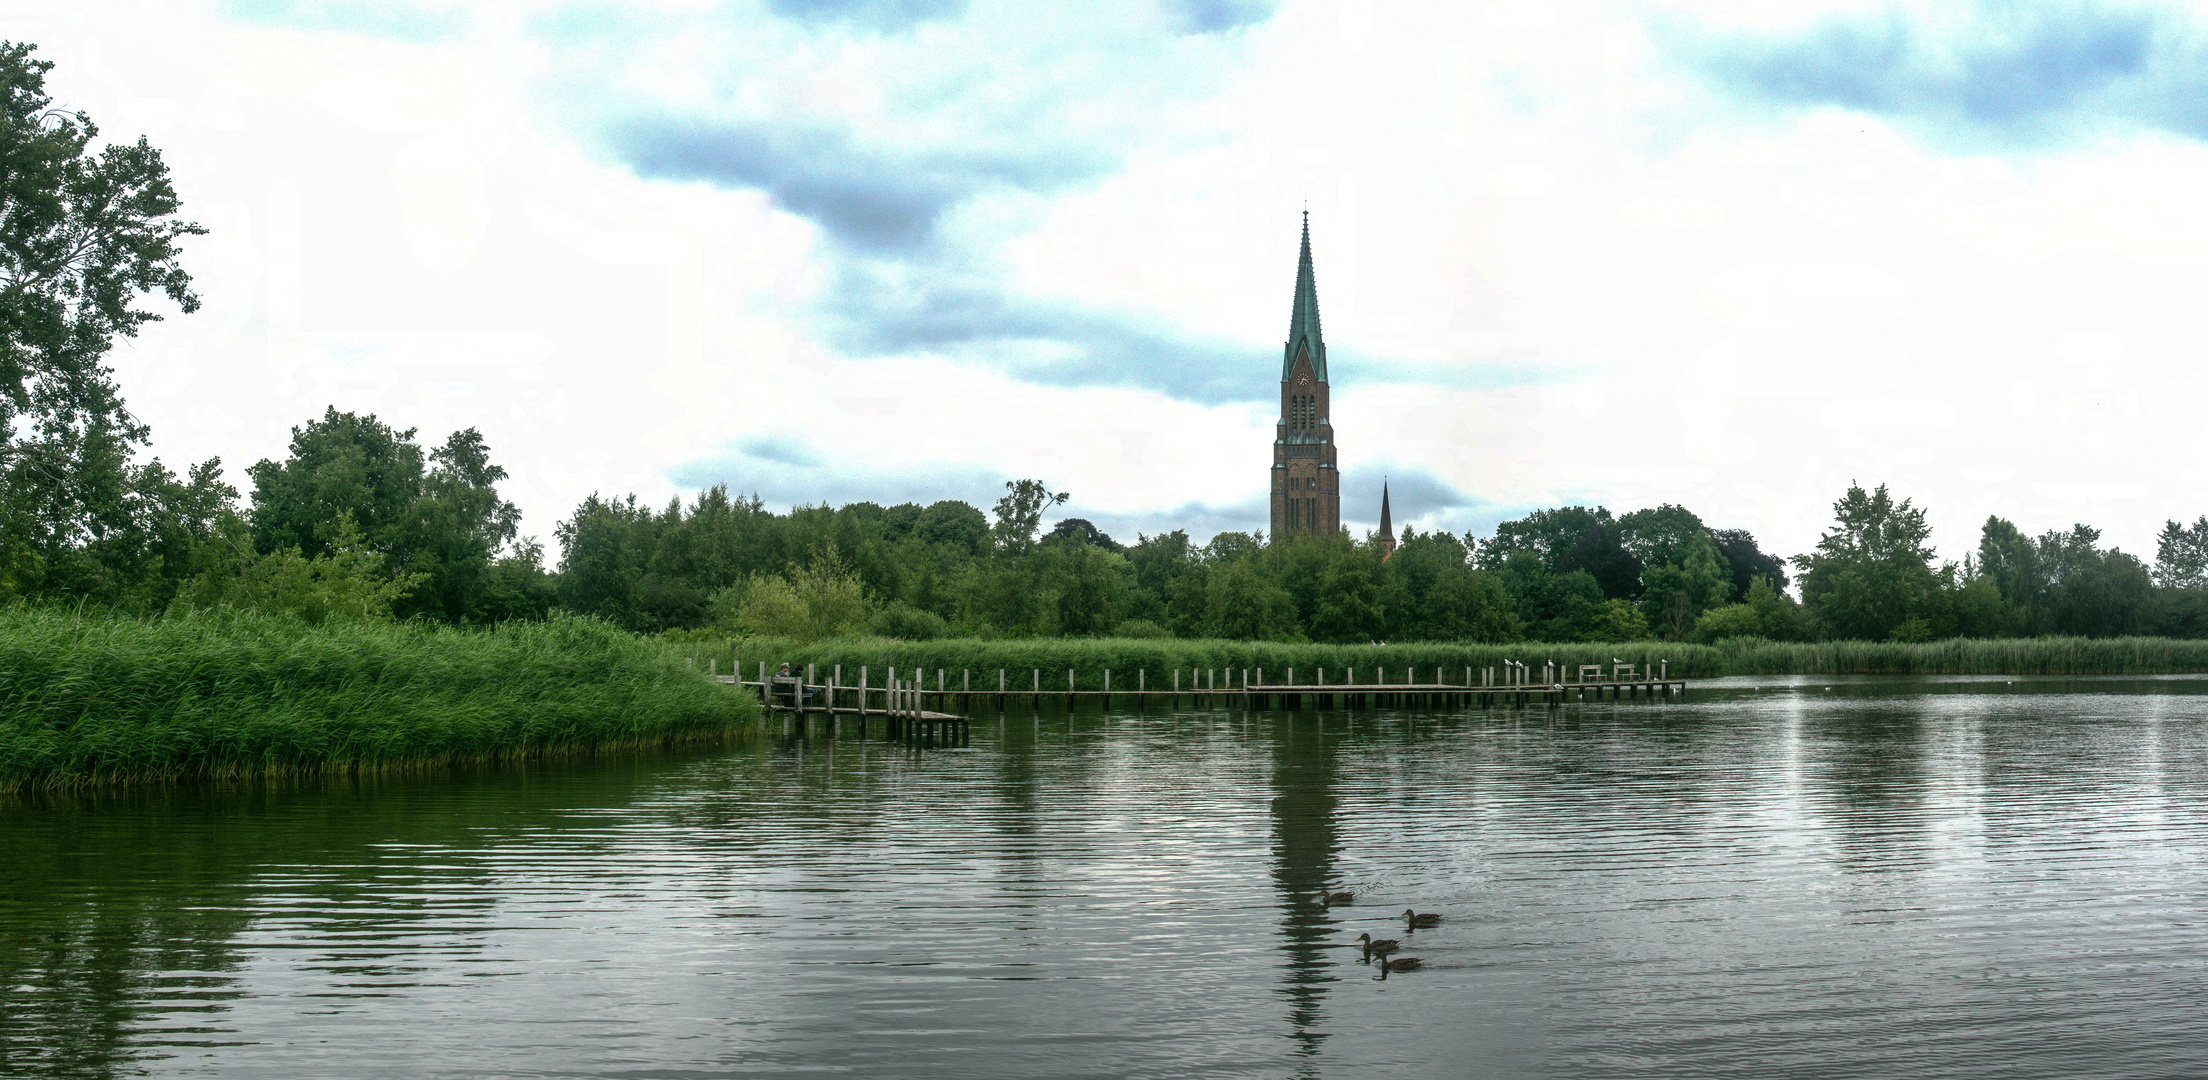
<point x="1418" y="919"/>
<point x="1329" y="899"/>
<point x="1382" y="947"/>
<point x="1405" y="963"/>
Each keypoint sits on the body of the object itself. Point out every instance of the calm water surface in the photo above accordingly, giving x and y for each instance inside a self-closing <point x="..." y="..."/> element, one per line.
<point x="1834" y="877"/>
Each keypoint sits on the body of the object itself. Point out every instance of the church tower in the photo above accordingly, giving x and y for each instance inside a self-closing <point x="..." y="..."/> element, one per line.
<point x="1307" y="489"/>
<point x="1387" y="526"/>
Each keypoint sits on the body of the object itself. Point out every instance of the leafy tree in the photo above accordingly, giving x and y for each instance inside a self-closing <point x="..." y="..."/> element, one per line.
<point x="1617" y="620"/>
<point x="440" y="520"/>
<point x="518" y="586"/>
<point x="1601" y="552"/>
<point x="1157" y="564"/>
<point x="1747" y="562"/>
<point x="1548" y="534"/>
<point x="2092" y="592"/>
<point x="1083" y="582"/>
<point x="348" y="580"/>
<point x="1552" y="606"/>
<point x="2010" y="561"/>
<point x="1020" y="514"/>
<point x="1662" y="535"/>
<point x="456" y="529"/>
<point x="954" y="524"/>
<point x="1080" y="529"/>
<point x="1433" y="593"/>
<point x="342" y="466"/>
<point x="2064" y="583"/>
<point x="901" y="620"/>
<point x="1245" y="606"/>
<point x="1676" y="593"/>
<point x="804" y="605"/>
<point x="1348" y="607"/>
<point x="79" y="518"/>
<point x="1873" y="570"/>
<point x="1763" y="612"/>
<point x="84" y="235"/>
<point x="2181" y="555"/>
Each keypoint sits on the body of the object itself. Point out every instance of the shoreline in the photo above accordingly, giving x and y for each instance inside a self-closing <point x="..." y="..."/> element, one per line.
<point x="1023" y="661"/>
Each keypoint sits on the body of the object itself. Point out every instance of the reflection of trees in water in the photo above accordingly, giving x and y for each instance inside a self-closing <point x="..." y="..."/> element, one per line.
<point x="1872" y="765"/>
<point x="1304" y="847"/>
<point x="83" y="978"/>
<point x="119" y="913"/>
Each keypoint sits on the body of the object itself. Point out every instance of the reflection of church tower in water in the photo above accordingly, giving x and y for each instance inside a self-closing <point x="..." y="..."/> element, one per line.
<point x="1307" y="488"/>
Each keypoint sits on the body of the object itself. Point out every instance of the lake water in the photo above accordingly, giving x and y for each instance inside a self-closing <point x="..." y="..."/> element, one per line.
<point x="1827" y="877"/>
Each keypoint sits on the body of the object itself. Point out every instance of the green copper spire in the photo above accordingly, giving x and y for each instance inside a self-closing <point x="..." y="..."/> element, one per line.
<point x="1303" y="325"/>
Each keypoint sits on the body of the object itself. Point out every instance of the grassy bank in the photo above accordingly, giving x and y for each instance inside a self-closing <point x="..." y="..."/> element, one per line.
<point x="94" y="700"/>
<point x="1089" y="657"/>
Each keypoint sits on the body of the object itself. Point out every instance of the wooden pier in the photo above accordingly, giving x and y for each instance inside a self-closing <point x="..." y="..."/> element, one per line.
<point x="903" y="697"/>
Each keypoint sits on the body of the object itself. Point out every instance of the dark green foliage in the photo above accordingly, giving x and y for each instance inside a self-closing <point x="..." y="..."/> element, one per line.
<point x="954" y="525"/>
<point x="439" y="518"/>
<point x="1548" y="534"/>
<point x="1873" y="571"/>
<point x="2181" y="555"/>
<point x="88" y="700"/>
<point x="903" y="621"/>
<point x="85" y="234"/>
<point x="1747" y="562"/>
<point x="2064" y="583"/>
<point x="1020" y="514"/>
<point x="1082" y="530"/>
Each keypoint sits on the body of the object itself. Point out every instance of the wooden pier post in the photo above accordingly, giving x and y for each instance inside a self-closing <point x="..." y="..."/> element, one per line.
<point x="1000" y="689"/>
<point x="1037" y="700"/>
<point x="1107" y="689"/>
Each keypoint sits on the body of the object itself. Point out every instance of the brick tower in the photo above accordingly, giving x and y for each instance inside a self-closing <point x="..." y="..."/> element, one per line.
<point x="1307" y="489"/>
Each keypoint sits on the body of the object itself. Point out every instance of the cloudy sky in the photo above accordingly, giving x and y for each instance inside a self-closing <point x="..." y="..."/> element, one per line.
<point x="1728" y="255"/>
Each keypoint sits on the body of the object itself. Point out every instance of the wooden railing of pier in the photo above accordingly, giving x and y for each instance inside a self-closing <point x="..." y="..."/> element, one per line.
<point x="903" y="695"/>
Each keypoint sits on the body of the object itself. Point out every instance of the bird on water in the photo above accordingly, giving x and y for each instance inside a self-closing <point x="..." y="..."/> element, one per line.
<point x="1329" y="899"/>
<point x="1418" y="919"/>
<point x="1382" y="947"/>
<point x="1401" y="963"/>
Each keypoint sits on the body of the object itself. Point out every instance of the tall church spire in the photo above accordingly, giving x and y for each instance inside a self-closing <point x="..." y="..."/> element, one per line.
<point x="1307" y="491"/>
<point x="1387" y="527"/>
<point x="1303" y="323"/>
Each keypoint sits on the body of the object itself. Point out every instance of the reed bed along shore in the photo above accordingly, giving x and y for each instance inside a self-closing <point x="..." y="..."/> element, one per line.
<point x="90" y="700"/>
<point x="1088" y="658"/>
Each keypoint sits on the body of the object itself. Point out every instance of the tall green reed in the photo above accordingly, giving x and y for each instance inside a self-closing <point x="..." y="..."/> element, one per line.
<point x="87" y="700"/>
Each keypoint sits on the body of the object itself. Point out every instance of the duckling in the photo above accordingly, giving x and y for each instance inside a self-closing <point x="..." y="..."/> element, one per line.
<point x="1401" y="963"/>
<point x="1329" y="899"/>
<point x="1418" y="919"/>
<point x="1382" y="947"/>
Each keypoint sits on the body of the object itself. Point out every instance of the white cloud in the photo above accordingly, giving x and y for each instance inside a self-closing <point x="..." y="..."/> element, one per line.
<point x="1552" y="268"/>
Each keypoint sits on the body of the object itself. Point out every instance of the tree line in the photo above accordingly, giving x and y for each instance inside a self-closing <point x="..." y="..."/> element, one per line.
<point x="723" y="565"/>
